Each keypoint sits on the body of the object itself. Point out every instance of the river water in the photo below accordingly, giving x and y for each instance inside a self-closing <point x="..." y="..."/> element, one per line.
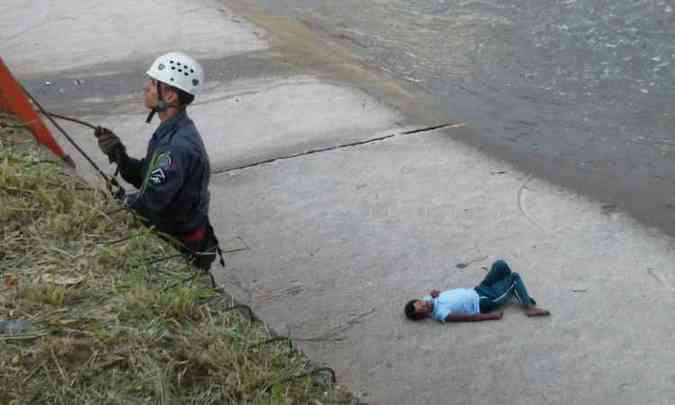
<point x="586" y="87"/>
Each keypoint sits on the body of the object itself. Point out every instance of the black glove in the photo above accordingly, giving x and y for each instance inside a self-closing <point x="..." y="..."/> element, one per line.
<point x="110" y="144"/>
<point x="120" y="195"/>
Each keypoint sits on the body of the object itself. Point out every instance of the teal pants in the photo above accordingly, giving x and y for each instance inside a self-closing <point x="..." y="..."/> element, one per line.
<point x="499" y="285"/>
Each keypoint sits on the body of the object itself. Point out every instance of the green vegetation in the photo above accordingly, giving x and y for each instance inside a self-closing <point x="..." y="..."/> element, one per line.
<point x="105" y="324"/>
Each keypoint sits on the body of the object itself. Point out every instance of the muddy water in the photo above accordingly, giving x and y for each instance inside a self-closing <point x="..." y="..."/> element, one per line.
<point x="580" y="91"/>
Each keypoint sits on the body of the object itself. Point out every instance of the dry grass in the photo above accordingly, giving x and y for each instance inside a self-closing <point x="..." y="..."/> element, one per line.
<point x="106" y="327"/>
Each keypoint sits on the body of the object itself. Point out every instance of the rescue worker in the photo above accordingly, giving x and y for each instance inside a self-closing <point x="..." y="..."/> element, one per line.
<point x="173" y="178"/>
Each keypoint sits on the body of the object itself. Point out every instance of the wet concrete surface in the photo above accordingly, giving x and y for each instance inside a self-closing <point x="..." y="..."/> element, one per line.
<point x="578" y="92"/>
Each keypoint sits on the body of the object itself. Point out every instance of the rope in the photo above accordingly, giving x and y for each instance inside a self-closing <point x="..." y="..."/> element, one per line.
<point x="333" y="378"/>
<point x="49" y="116"/>
<point x="112" y="181"/>
<point x="71" y="119"/>
<point x="251" y="315"/>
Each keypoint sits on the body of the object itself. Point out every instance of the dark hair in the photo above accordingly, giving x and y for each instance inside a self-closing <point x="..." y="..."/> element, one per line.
<point x="184" y="98"/>
<point x="410" y="312"/>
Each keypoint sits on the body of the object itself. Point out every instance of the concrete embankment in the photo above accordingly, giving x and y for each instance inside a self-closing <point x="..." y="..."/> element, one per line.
<point x="337" y="241"/>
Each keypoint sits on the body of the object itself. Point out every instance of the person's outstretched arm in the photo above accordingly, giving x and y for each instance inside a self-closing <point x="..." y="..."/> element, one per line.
<point x="495" y="316"/>
<point x="131" y="170"/>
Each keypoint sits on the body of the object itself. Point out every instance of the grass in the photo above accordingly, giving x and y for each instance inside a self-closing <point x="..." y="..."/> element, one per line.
<point x="106" y="325"/>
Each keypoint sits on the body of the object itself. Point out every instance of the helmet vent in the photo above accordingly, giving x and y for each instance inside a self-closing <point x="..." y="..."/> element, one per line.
<point x="178" y="70"/>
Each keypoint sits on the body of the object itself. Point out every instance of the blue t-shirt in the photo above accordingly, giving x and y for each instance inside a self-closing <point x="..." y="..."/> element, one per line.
<point x="459" y="301"/>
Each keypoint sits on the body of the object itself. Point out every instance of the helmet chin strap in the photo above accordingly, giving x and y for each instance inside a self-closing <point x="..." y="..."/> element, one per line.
<point x="161" y="105"/>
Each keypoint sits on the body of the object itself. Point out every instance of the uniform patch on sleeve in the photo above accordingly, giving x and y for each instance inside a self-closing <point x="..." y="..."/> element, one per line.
<point x="157" y="177"/>
<point x="162" y="164"/>
<point x="164" y="161"/>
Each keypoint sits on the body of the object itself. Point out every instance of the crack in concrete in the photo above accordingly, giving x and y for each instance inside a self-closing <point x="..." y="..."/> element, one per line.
<point x="333" y="334"/>
<point x="659" y="277"/>
<point x="448" y="125"/>
<point x="521" y="204"/>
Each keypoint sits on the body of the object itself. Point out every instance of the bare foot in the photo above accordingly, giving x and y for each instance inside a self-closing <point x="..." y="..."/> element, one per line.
<point x="534" y="311"/>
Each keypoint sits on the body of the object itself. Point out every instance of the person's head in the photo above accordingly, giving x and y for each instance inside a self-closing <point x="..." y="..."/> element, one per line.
<point x="174" y="79"/>
<point x="171" y="96"/>
<point x="418" y="309"/>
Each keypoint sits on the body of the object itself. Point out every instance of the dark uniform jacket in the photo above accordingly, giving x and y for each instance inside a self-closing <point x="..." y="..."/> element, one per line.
<point x="172" y="179"/>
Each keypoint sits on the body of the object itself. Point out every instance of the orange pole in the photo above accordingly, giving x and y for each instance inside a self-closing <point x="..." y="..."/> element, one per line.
<point x="13" y="99"/>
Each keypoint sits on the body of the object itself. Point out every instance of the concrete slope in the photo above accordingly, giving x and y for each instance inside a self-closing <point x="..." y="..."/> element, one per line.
<point x="340" y="240"/>
<point x="250" y="120"/>
<point x="89" y="59"/>
<point x="49" y="36"/>
<point x="337" y="241"/>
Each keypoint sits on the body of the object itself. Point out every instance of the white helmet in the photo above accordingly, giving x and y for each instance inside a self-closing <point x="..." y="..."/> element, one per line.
<point x="178" y="70"/>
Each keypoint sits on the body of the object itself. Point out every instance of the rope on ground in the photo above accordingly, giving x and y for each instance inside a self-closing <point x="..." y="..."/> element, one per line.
<point x="184" y="281"/>
<point x="116" y="211"/>
<point x="251" y="315"/>
<point x="310" y="373"/>
<point x="113" y="181"/>
<point x="290" y="340"/>
<point x="330" y="371"/>
<point x="161" y="259"/>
